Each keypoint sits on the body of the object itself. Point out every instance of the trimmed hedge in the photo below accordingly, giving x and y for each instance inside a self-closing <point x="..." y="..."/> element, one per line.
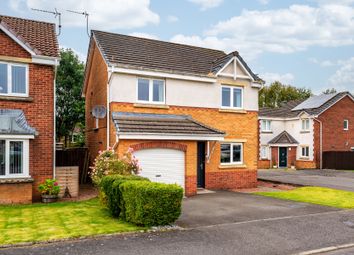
<point x="110" y="186"/>
<point x="151" y="203"/>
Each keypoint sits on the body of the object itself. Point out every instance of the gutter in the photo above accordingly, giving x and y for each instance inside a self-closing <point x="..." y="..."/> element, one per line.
<point x="321" y="137"/>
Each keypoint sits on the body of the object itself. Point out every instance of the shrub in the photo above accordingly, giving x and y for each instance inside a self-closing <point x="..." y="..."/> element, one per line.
<point x="151" y="203"/>
<point x="108" y="163"/>
<point x="112" y="196"/>
<point x="49" y="187"/>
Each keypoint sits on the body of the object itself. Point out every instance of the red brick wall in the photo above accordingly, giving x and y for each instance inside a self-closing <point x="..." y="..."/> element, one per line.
<point x="15" y="193"/>
<point x="291" y="156"/>
<point x="231" y="179"/>
<point x="275" y="158"/>
<point x="263" y="164"/>
<point x="39" y="112"/>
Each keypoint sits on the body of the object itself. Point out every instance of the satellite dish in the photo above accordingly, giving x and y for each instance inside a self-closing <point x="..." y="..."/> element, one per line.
<point x="99" y="111"/>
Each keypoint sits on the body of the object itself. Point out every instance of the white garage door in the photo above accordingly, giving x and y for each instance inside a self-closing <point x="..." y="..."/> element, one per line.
<point x="162" y="165"/>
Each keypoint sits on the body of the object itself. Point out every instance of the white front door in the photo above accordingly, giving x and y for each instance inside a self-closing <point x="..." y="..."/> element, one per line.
<point x="162" y="165"/>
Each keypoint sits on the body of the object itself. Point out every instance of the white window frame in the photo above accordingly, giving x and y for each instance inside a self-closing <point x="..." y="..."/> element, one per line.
<point x="232" y="97"/>
<point x="25" y="159"/>
<point x="268" y="127"/>
<point x="264" y="152"/>
<point x="151" y="90"/>
<point x="303" y="125"/>
<point x="231" y="154"/>
<point x="346" y="125"/>
<point x="9" y="80"/>
<point x="302" y="150"/>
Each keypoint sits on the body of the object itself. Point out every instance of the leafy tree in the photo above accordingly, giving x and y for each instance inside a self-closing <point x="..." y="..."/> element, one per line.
<point x="330" y="91"/>
<point x="276" y="93"/>
<point x="70" y="106"/>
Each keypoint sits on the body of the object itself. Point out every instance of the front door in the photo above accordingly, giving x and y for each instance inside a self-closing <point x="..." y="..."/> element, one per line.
<point x="201" y="165"/>
<point x="283" y="156"/>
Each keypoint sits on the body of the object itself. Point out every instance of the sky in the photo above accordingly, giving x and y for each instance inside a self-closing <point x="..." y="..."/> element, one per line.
<point x="305" y="43"/>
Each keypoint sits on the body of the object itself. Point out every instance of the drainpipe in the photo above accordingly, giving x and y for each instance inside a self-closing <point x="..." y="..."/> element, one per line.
<point x="109" y="74"/>
<point x="321" y="147"/>
<point x="54" y="124"/>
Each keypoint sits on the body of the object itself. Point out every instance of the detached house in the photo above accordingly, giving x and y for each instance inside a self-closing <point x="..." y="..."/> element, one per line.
<point x="28" y="56"/>
<point x="298" y="132"/>
<point x="190" y="114"/>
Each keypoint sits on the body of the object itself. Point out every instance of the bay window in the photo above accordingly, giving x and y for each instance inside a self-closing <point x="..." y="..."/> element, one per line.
<point x="231" y="153"/>
<point x="151" y="91"/>
<point x="13" y="79"/>
<point x="231" y="97"/>
<point x="14" y="158"/>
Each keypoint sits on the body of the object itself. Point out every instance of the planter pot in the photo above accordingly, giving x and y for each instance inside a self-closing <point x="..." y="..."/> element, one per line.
<point x="293" y="167"/>
<point x="49" y="198"/>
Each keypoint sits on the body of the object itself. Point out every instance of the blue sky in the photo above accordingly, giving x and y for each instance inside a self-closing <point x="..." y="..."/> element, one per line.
<point x="308" y="43"/>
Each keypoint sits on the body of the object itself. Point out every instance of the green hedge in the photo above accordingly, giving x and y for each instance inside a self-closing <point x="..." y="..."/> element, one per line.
<point x="110" y="187"/>
<point x="151" y="203"/>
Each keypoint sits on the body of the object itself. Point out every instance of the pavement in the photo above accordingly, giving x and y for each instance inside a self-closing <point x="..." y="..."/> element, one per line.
<point x="335" y="179"/>
<point x="224" y="223"/>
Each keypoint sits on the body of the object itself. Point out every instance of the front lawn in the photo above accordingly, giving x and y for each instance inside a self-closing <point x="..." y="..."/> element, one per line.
<point x="316" y="195"/>
<point x="40" y="222"/>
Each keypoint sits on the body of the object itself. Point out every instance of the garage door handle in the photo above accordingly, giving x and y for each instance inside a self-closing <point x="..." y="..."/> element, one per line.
<point x="158" y="175"/>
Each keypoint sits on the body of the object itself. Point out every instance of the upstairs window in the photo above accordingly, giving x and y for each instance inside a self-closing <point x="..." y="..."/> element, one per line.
<point x="346" y="125"/>
<point x="151" y="91"/>
<point x="266" y="126"/>
<point x="305" y="125"/>
<point x="13" y="79"/>
<point x="231" y="97"/>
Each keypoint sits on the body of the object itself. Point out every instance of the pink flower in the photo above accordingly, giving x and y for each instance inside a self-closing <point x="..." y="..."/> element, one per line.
<point x="55" y="184"/>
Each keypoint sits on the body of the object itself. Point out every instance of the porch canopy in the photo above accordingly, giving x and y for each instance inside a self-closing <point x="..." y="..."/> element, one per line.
<point x="283" y="139"/>
<point x="13" y="122"/>
<point x="163" y="127"/>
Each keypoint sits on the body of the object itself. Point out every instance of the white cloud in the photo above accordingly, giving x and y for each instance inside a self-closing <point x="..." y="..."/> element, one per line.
<point x="172" y="18"/>
<point x="104" y="14"/>
<point x="207" y="4"/>
<point x="286" y="30"/>
<point x="343" y="78"/>
<point x="144" y="35"/>
<point x="323" y="63"/>
<point x="286" y="78"/>
<point x="264" y="2"/>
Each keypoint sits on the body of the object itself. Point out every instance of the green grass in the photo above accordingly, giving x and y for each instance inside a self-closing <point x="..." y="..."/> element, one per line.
<point x="41" y="222"/>
<point x="316" y="195"/>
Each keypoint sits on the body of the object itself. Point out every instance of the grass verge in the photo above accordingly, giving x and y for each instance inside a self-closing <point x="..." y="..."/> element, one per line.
<point x="41" y="222"/>
<point x="316" y="195"/>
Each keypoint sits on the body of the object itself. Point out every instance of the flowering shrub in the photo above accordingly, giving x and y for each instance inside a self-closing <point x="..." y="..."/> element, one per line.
<point x="108" y="163"/>
<point x="49" y="187"/>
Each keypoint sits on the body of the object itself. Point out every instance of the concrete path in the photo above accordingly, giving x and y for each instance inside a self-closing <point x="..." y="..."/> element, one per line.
<point x="284" y="235"/>
<point x="343" y="180"/>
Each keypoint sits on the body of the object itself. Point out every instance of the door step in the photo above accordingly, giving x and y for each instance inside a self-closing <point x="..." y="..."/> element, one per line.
<point x="201" y="191"/>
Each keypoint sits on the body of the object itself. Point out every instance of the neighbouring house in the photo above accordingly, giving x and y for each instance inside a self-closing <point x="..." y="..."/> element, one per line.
<point x="28" y="59"/>
<point x="298" y="132"/>
<point x="190" y="114"/>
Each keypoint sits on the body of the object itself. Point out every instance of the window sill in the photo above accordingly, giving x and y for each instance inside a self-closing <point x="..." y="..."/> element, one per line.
<point x="9" y="180"/>
<point x="158" y="106"/>
<point x="304" y="158"/>
<point x="16" y="98"/>
<point x="233" y="110"/>
<point x="304" y="131"/>
<point x="266" y="132"/>
<point x="232" y="166"/>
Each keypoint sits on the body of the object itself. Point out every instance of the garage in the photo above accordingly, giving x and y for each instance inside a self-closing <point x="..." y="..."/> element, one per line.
<point x="162" y="165"/>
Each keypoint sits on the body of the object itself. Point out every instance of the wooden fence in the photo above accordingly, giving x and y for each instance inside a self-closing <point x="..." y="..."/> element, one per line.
<point x="75" y="157"/>
<point x="340" y="160"/>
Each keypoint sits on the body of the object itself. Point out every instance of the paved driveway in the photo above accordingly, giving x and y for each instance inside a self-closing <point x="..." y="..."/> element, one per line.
<point x="225" y="207"/>
<point x="343" y="180"/>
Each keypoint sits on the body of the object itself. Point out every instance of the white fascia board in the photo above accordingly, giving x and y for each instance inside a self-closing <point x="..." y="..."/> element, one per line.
<point x="244" y="69"/>
<point x="275" y="118"/>
<point x="13" y="37"/>
<point x="169" y="137"/>
<point x="283" y="145"/>
<point x="222" y="69"/>
<point x="163" y="75"/>
<point x="44" y="60"/>
<point x="256" y="85"/>
<point x="3" y="136"/>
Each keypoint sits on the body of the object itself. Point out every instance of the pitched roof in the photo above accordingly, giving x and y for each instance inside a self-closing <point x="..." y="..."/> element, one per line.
<point x="142" y="53"/>
<point x="37" y="35"/>
<point x="312" y="106"/>
<point x="144" y="123"/>
<point x="283" y="138"/>
<point x="14" y="122"/>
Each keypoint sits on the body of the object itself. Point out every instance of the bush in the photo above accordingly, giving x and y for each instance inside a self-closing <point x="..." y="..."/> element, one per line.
<point x="112" y="196"/>
<point x="108" y="163"/>
<point x="151" y="203"/>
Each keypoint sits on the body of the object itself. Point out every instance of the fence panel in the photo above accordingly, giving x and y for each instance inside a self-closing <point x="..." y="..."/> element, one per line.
<point x="340" y="160"/>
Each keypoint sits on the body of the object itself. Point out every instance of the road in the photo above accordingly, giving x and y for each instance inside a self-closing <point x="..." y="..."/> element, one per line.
<point x="280" y="235"/>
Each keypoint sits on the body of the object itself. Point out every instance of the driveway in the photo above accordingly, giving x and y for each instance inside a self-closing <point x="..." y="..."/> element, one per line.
<point x="343" y="180"/>
<point x="223" y="207"/>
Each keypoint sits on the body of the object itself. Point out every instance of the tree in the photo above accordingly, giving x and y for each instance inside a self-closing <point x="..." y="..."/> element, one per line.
<point x="70" y="106"/>
<point x="330" y="91"/>
<point x="276" y="93"/>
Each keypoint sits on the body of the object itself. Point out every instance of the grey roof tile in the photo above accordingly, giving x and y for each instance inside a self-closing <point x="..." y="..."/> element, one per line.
<point x="14" y="122"/>
<point x="283" y="138"/>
